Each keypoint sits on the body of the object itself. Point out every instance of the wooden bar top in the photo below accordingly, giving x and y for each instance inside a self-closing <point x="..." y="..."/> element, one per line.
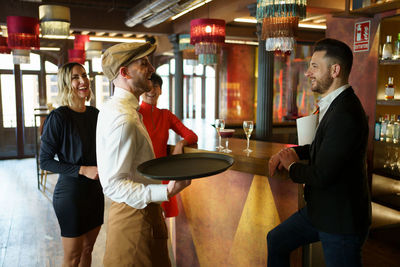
<point x="255" y="162"/>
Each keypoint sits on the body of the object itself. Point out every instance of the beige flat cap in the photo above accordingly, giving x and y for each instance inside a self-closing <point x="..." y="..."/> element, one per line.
<point x="122" y="55"/>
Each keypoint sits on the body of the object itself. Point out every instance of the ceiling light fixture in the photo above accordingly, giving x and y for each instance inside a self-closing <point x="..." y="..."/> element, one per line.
<point x="23" y="35"/>
<point x="93" y="49"/>
<point x="207" y="36"/>
<point x="312" y="26"/>
<point x="49" y="48"/>
<point x="280" y="22"/>
<point x="190" y="9"/>
<point x="116" y="39"/>
<point x="230" y="41"/>
<point x="245" y="20"/>
<point x="4" y="49"/>
<point x="54" y="21"/>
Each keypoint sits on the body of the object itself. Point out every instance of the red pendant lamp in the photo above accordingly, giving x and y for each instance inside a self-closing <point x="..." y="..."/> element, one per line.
<point x="4" y="49"/>
<point x="23" y="35"/>
<point x="80" y="40"/>
<point x="76" y="55"/>
<point x="23" y="32"/>
<point x="207" y="36"/>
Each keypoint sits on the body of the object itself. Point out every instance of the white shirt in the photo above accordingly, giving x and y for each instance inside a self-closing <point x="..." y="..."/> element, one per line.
<point x="122" y="143"/>
<point x="327" y="100"/>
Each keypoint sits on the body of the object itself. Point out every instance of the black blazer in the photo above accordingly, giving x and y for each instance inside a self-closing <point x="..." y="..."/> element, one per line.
<point x="336" y="184"/>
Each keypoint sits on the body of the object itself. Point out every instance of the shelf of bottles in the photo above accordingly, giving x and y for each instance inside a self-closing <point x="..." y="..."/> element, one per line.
<point x="389" y="61"/>
<point x="387" y="145"/>
<point x="371" y="7"/>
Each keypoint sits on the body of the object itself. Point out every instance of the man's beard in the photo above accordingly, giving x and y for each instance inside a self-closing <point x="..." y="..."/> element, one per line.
<point x="323" y="85"/>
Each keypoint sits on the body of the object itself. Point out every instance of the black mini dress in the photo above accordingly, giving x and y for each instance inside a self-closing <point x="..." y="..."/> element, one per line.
<point x="71" y="136"/>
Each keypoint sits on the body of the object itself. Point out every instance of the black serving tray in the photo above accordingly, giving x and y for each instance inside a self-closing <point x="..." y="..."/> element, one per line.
<point x="185" y="166"/>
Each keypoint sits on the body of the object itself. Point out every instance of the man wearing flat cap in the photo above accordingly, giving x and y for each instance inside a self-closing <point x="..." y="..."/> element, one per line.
<point x="137" y="234"/>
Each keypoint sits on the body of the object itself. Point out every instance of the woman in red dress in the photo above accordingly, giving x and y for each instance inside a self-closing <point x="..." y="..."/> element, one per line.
<point x="158" y="122"/>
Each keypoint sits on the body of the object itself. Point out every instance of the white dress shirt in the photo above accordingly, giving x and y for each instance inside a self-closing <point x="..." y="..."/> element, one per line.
<point x="327" y="100"/>
<point x="122" y="143"/>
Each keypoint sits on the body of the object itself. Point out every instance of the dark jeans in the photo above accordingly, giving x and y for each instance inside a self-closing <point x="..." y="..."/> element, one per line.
<point x="339" y="249"/>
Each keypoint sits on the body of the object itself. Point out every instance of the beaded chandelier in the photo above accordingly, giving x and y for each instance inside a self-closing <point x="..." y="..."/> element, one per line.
<point x="207" y="36"/>
<point x="280" y="21"/>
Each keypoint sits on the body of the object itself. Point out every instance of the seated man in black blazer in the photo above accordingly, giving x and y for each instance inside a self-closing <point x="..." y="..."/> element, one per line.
<point x="338" y="206"/>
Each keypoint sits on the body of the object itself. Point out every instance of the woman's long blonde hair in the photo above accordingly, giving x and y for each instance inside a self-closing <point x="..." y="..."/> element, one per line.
<point x="66" y="95"/>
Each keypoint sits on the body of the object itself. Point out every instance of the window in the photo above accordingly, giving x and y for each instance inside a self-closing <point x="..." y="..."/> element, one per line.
<point x="210" y="94"/>
<point x="96" y="65"/>
<point x="50" y="67"/>
<point x="51" y="89"/>
<point x="6" y="62"/>
<point x="163" y="100"/>
<point x="30" y="88"/>
<point x="198" y="89"/>
<point x="8" y="100"/>
<point x="34" y="64"/>
<point x="102" y="90"/>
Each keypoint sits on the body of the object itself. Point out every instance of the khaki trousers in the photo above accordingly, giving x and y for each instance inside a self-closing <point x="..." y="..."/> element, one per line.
<point x="136" y="237"/>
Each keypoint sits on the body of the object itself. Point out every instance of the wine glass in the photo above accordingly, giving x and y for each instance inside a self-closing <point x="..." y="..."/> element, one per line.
<point x="248" y="129"/>
<point x="219" y="124"/>
<point x="227" y="133"/>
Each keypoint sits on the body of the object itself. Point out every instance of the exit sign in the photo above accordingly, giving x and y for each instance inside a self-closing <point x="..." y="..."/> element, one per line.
<point x="361" y="36"/>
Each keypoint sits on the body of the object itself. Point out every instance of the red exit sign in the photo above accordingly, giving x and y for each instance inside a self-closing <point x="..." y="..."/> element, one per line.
<point x="361" y="36"/>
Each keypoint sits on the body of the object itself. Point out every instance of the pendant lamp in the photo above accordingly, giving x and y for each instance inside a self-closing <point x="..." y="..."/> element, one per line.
<point x="187" y="50"/>
<point x="54" y="21"/>
<point x="184" y="42"/>
<point x="207" y="36"/>
<point x="76" y="55"/>
<point x="93" y="49"/>
<point x="80" y="40"/>
<point x="23" y="35"/>
<point x="4" y="49"/>
<point x="280" y="21"/>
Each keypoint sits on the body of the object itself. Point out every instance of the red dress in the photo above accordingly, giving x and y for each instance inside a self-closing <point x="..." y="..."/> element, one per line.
<point x="158" y="122"/>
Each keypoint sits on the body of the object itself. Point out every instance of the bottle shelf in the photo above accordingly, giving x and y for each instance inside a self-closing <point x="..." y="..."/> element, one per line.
<point x="383" y="102"/>
<point x="389" y="61"/>
<point x="369" y="11"/>
<point x="376" y="8"/>
<point x="387" y="173"/>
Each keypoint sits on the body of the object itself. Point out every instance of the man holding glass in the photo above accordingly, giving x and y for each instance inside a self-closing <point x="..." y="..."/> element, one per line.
<point x="338" y="206"/>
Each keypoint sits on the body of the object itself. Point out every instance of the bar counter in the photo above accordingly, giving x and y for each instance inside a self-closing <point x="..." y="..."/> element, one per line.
<point x="224" y="219"/>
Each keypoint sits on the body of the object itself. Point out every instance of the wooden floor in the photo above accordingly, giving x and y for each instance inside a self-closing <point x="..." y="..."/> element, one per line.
<point x="30" y="235"/>
<point x="29" y="232"/>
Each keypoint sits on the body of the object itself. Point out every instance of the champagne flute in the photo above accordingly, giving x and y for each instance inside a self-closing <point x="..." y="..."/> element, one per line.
<point x="219" y="125"/>
<point x="248" y="129"/>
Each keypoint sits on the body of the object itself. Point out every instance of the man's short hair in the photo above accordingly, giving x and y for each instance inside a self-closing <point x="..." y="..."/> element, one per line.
<point x="338" y="51"/>
<point x="156" y="79"/>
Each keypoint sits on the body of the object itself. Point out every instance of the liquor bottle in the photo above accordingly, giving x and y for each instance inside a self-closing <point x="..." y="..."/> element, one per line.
<point x="396" y="131"/>
<point x="383" y="128"/>
<point x="389" y="89"/>
<point x="387" y="51"/>
<point x="366" y="3"/>
<point x="378" y="129"/>
<point x="389" y="129"/>
<point x="396" y="49"/>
